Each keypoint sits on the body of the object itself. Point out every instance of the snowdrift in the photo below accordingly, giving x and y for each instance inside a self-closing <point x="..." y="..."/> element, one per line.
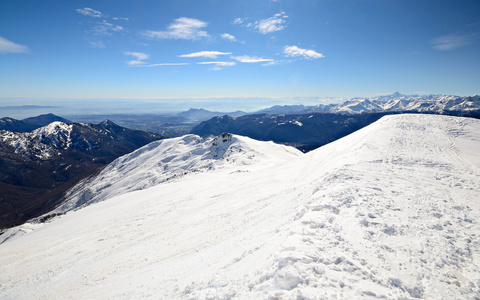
<point x="390" y="211"/>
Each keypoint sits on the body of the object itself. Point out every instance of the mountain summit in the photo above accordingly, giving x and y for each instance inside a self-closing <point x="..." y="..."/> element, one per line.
<point x="388" y="212"/>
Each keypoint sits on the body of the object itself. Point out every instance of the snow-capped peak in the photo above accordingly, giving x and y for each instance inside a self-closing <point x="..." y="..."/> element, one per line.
<point x="41" y="143"/>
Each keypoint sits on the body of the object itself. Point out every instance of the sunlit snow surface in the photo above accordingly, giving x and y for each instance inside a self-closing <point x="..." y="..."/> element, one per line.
<point x="39" y="142"/>
<point x="390" y="211"/>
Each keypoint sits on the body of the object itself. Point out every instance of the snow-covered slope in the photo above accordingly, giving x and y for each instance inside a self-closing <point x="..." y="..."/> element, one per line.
<point x="169" y="159"/>
<point x="390" y="211"/>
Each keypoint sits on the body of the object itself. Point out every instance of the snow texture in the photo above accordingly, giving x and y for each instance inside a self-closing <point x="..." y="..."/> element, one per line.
<point x="389" y="212"/>
<point x="171" y="159"/>
<point x="42" y="142"/>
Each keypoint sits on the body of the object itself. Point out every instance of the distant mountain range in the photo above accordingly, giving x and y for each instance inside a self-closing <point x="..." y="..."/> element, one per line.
<point x="309" y="127"/>
<point x="202" y="114"/>
<point x="29" y="124"/>
<point x="11" y="124"/>
<point x="395" y="102"/>
<point x="38" y="166"/>
<point x="43" y="120"/>
<point x="305" y="132"/>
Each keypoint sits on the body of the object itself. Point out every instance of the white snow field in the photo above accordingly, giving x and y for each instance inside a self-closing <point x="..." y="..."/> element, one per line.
<point x="391" y="211"/>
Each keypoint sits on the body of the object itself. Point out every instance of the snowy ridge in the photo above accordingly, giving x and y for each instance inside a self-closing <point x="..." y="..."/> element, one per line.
<point x="395" y="102"/>
<point x="389" y="212"/>
<point x="169" y="159"/>
<point x="398" y="102"/>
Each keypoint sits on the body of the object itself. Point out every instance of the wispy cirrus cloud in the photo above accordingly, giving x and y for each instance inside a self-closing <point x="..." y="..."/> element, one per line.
<point x="294" y="51"/>
<point x="218" y="65"/>
<point x="86" y="11"/>
<point x="275" y="23"/>
<point x="105" y="28"/>
<point x="251" y="59"/>
<point x="242" y="22"/>
<point x="238" y="21"/>
<point x="452" y="41"/>
<point x="96" y="43"/>
<point x="182" y="28"/>
<point x="99" y="29"/>
<point x="168" y="64"/>
<point x="140" y="57"/>
<point x="7" y="46"/>
<point x="206" y="54"/>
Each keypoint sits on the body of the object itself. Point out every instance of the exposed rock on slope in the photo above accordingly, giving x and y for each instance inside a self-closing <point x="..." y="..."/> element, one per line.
<point x="37" y="167"/>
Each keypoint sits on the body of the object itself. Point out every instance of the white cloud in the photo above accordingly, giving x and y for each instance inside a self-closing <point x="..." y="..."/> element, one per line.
<point x="238" y="21"/>
<point x="140" y="57"/>
<point x="182" y="28"/>
<point x="452" y="41"/>
<point x="100" y="30"/>
<point x="105" y="28"/>
<point x="218" y="63"/>
<point x="7" y="46"/>
<point x="270" y="63"/>
<point x="294" y="51"/>
<point x="242" y="22"/>
<point x="251" y="59"/>
<point x="90" y="12"/>
<point x="120" y="19"/>
<point x="228" y="37"/>
<point x="272" y="24"/>
<point x="168" y="64"/>
<point x="97" y="44"/>
<point x="135" y="62"/>
<point x="207" y="54"/>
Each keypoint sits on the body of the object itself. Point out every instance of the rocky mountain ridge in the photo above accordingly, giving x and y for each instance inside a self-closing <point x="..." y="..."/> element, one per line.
<point x="29" y="124"/>
<point x="38" y="166"/>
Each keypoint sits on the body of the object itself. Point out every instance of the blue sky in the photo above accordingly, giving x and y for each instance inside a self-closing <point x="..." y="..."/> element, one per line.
<point x="235" y="54"/>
